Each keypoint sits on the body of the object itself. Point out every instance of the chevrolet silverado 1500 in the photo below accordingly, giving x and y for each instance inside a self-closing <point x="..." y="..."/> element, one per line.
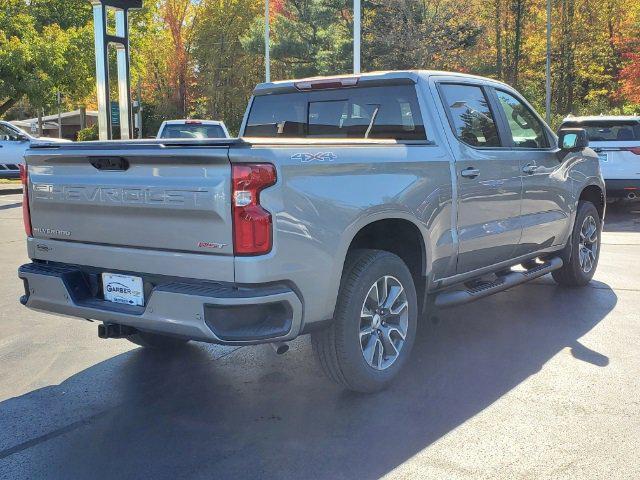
<point x="349" y="208"/>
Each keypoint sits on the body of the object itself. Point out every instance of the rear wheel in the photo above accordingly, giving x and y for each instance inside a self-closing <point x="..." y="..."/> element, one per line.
<point x="157" y="341"/>
<point x="374" y="325"/>
<point x="581" y="263"/>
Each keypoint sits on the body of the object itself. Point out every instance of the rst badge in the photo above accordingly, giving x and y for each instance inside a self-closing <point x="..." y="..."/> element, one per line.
<point x="307" y="157"/>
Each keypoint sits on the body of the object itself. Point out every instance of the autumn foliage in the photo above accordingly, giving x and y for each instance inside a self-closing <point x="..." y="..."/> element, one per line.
<point x="202" y="58"/>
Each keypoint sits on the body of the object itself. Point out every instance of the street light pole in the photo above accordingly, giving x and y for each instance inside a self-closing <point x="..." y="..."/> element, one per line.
<point x="267" y="59"/>
<point x="59" y="115"/>
<point x="548" y="66"/>
<point x="356" y="35"/>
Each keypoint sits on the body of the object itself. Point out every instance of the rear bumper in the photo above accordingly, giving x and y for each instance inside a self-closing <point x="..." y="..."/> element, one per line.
<point x="199" y="310"/>
<point x="617" y="188"/>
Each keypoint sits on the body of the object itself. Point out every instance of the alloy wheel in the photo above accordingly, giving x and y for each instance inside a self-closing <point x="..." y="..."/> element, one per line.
<point x="588" y="245"/>
<point x="384" y="321"/>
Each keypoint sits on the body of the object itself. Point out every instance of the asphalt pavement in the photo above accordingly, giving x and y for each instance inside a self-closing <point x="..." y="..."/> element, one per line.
<point x="536" y="382"/>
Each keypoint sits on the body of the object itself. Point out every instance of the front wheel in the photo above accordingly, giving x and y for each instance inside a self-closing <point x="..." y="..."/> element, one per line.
<point x="374" y="325"/>
<point x="581" y="263"/>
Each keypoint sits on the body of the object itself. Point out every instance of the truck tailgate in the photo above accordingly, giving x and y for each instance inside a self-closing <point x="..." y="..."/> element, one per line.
<point x="137" y="195"/>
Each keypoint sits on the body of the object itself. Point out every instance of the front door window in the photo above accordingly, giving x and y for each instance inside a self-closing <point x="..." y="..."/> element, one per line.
<point x="525" y="128"/>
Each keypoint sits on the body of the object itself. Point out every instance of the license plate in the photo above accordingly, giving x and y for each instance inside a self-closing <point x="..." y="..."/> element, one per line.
<point x="122" y="289"/>
<point x="603" y="157"/>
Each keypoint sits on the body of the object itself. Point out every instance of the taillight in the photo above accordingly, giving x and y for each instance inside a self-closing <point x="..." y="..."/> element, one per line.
<point x="634" y="150"/>
<point x="252" y="231"/>
<point x="26" y="214"/>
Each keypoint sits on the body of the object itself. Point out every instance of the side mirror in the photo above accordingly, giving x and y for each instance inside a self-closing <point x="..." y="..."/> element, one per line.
<point x="573" y="139"/>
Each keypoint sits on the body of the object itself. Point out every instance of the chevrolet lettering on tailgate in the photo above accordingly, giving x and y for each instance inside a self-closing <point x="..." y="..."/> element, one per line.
<point x="124" y="195"/>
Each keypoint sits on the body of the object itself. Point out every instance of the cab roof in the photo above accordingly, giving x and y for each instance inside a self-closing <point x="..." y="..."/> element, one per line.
<point x="370" y="79"/>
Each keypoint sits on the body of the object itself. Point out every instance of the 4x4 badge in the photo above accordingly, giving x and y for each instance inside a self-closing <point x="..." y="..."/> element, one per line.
<point x="311" y="157"/>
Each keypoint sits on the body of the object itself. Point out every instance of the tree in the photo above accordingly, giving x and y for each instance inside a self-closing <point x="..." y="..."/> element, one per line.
<point x="39" y="58"/>
<point x="203" y="57"/>
<point x="178" y="16"/>
<point x="308" y="37"/>
<point x="630" y="74"/>
<point x="225" y="73"/>
<point x="66" y="14"/>
<point x="410" y="34"/>
<point x="628" y="44"/>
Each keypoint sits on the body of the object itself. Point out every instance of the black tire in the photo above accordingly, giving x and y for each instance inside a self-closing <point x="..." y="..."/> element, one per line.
<point x="572" y="273"/>
<point x="156" y="341"/>
<point x="339" y="347"/>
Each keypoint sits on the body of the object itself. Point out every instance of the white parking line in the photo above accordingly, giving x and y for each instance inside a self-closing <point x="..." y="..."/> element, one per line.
<point x="10" y="198"/>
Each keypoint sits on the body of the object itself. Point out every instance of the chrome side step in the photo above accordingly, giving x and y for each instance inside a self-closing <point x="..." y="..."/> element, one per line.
<point x="504" y="282"/>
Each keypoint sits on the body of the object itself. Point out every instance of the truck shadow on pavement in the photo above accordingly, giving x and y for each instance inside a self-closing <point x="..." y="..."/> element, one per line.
<point x="623" y="217"/>
<point x="251" y="414"/>
<point x="10" y="205"/>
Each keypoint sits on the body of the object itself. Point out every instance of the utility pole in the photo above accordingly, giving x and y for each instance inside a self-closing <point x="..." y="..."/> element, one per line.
<point x="139" y="112"/>
<point x="40" y="126"/>
<point x="267" y="59"/>
<point x="59" y="95"/>
<point x="548" y="66"/>
<point x="356" y="35"/>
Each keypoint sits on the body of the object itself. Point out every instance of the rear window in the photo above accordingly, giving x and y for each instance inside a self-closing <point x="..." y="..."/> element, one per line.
<point x="389" y="112"/>
<point x="608" y="131"/>
<point x="192" y="130"/>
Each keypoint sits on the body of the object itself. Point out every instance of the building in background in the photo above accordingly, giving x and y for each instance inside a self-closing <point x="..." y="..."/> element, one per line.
<point x="72" y="122"/>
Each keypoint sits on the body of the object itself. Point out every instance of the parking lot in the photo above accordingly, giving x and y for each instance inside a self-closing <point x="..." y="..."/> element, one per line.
<point x="535" y="382"/>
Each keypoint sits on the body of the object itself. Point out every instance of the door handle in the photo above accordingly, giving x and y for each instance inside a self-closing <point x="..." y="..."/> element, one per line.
<point x="530" y="169"/>
<point x="470" y="172"/>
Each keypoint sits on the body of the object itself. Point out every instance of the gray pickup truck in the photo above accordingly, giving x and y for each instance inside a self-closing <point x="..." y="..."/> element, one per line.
<point x="350" y="208"/>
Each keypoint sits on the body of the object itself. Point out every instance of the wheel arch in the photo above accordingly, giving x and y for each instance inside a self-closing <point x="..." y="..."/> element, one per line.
<point x="595" y="194"/>
<point x="398" y="234"/>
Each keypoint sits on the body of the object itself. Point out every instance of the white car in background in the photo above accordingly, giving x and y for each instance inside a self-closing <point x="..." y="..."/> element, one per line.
<point x="617" y="142"/>
<point x="13" y="143"/>
<point x="192" y="129"/>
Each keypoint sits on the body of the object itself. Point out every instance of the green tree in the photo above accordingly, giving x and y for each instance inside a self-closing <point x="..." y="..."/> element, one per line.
<point x="66" y="14"/>
<point x="225" y="73"/>
<point x="417" y="34"/>
<point x="308" y="37"/>
<point x="39" y="57"/>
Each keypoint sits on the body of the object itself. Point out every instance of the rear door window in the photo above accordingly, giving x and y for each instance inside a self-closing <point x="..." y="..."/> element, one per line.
<point x="525" y="128"/>
<point x="470" y="116"/>
<point x="388" y="112"/>
<point x="608" y="131"/>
